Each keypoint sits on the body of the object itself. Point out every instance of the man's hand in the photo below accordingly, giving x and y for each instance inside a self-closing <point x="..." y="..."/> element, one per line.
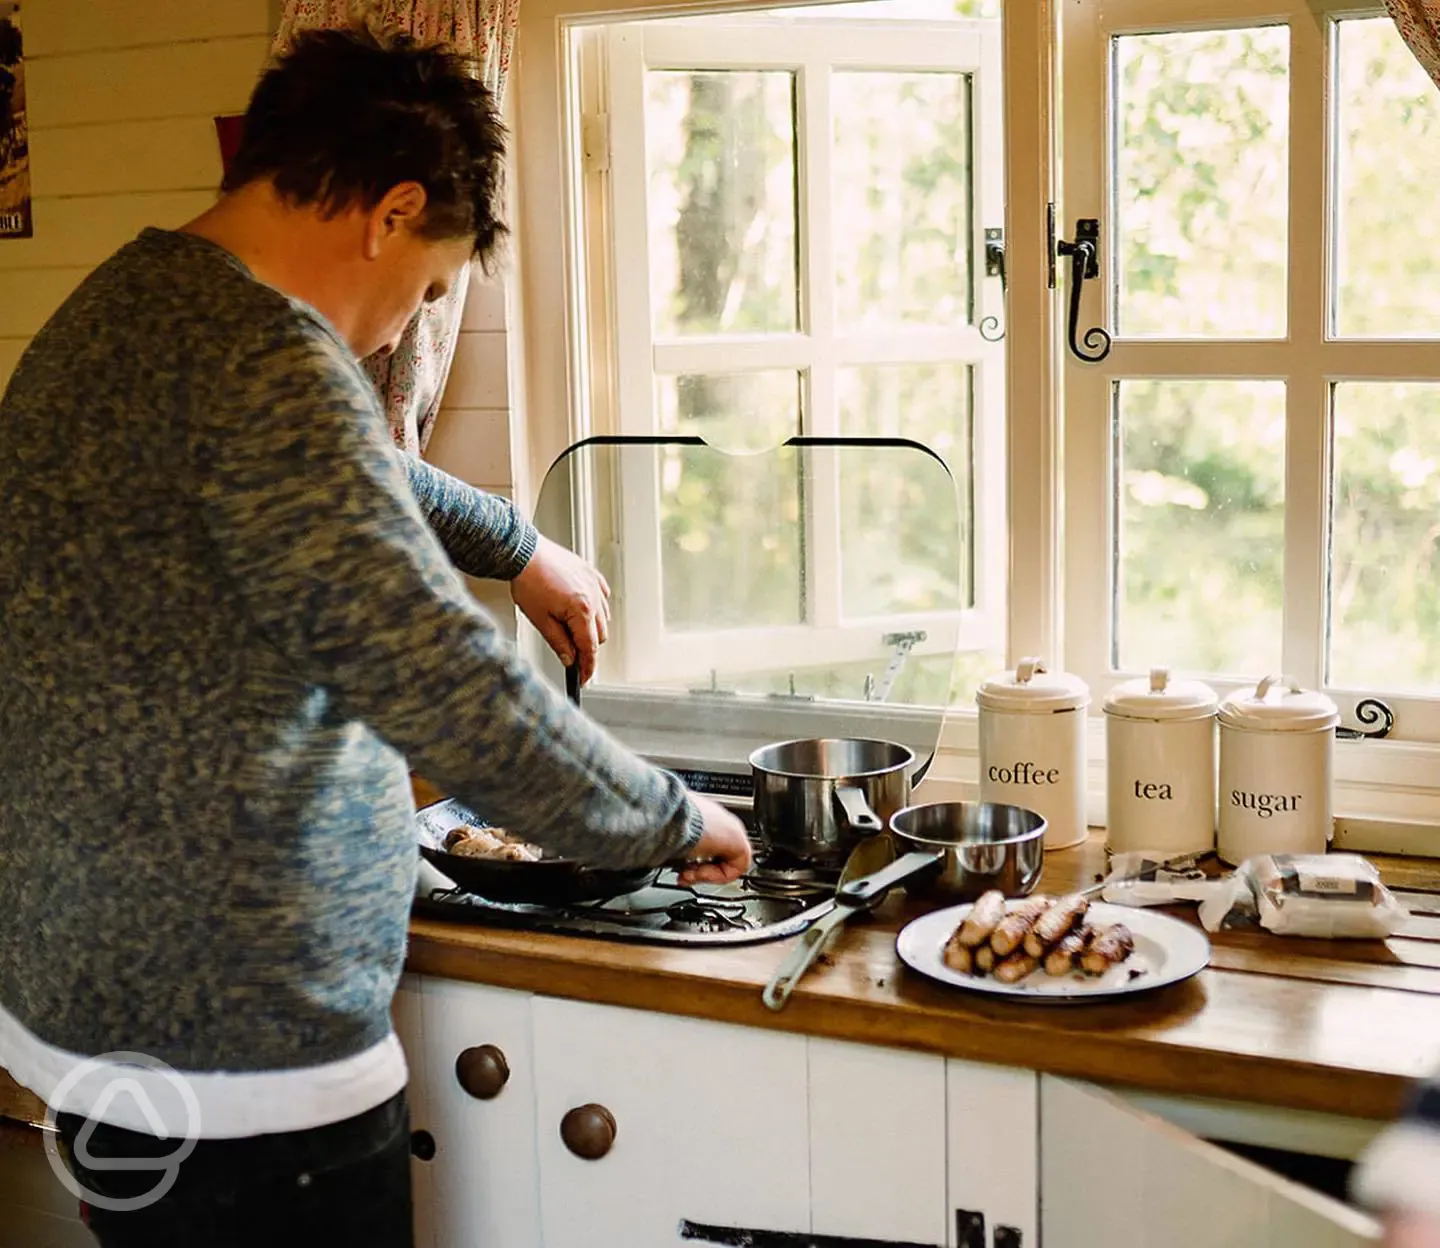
<point x="568" y="601"/>
<point x="722" y="853"/>
<point x="1412" y="1230"/>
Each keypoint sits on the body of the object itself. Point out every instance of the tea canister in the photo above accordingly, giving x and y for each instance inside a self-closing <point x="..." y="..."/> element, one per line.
<point x="1277" y="744"/>
<point x="1160" y="766"/>
<point x="1032" y="746"/>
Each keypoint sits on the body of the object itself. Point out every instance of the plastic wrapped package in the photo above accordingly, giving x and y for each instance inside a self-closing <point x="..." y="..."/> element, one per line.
<point x="1330" y="896"/>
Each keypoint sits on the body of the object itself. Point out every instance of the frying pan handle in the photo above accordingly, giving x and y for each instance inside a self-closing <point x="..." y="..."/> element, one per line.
<point x="856" y="810"/>
<point x="572" y="682"/>
<point x="869" y="888"/>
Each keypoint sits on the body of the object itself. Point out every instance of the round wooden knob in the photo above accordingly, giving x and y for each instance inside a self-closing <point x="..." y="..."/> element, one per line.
<point x="588" y="1131"/>
<point x="482" y="1071"/>
<point x="422" y="1145"/>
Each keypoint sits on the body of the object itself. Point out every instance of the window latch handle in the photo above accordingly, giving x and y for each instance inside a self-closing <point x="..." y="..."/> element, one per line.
<point x="1084" y="255"/>
<point x="990" y="328"/>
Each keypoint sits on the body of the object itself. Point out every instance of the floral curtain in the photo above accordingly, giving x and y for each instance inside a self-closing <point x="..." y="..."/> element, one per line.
<point x="412" y="378"/>
<point x="1419" y="23"/>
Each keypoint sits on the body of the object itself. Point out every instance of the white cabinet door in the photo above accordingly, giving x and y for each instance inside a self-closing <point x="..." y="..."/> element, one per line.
<point x="994" y="1156"/>
<point x="408" y="1015"/>
<point x="1113" y="1177"/>
<point x="877" y="1144"/>
<point x="484" y="1187"/>
<point x="710" y="1127"/>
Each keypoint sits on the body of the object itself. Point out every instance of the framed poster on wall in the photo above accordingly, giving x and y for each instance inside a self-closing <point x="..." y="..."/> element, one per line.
<point x="15" y="216"/>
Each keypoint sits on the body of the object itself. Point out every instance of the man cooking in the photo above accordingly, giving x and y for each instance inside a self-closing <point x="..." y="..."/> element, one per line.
<point x="229" y="621"/>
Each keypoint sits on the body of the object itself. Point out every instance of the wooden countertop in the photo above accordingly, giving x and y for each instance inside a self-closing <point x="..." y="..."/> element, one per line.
<point x="1336" y="1026"/>
<point x="1341" y="1027"/>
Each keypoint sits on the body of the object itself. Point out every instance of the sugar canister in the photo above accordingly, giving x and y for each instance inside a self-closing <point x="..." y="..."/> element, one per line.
<point x="1160" y="766"/>
<point x="1277" y="743"/>
<point x="1032" y="746"/>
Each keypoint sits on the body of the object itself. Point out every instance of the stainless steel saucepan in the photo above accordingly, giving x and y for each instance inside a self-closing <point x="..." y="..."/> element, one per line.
<point x="971" y="848"/>
<point x="818" y="798"/>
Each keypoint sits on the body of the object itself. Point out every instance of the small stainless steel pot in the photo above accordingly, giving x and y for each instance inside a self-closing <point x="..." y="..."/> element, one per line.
<point x="817" y="798"/>
<point x="973" y="847"/>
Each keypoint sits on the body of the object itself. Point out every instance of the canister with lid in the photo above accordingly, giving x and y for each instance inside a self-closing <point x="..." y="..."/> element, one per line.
<point x="1160" y="766"/>
<point x="1277" y="744"/>
<point x="1032" y="746"/>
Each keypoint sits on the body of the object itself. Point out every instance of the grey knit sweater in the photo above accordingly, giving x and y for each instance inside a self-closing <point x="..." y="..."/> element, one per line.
<point x="224" y="626"/>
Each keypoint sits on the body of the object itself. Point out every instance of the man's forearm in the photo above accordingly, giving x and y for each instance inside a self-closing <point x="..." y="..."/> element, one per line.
<point x="484" y="535"/>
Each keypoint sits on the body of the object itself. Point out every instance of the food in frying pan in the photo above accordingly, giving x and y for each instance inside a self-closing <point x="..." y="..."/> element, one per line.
<point x="1015" y="926"/>
<point x="983" y="919"/>
<point x="471" y="842"/>
<point x="1038" y="932"/>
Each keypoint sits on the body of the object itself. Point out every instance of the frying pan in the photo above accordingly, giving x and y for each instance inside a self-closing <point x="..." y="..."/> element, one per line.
<point x="549" y="882"/>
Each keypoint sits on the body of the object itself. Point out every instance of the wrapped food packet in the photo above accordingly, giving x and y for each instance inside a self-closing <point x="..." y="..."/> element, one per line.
<point x="1144" y="880"/>
<point x="1330" y="896"/>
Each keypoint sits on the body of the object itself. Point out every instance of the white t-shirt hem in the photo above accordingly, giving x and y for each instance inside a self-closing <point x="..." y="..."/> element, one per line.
<point x="138" y="1093"/>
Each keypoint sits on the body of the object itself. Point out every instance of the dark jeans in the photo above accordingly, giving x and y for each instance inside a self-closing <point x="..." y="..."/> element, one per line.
<point x="347" y="1185"/>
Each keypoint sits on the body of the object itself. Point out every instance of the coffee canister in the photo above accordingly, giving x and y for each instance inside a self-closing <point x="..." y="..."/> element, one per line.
<point x="1032" y="746"/>
<point x="1277" y="744"/>
<point x="1160" y="766"/>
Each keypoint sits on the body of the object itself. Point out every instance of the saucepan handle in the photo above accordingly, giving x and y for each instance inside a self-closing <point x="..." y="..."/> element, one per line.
<point x="856" y="810"/>
<point x="868" y="888"/>
<point x="572" y="682"/>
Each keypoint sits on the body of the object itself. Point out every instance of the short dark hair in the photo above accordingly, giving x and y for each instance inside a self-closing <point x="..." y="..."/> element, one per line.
<point x="344" y="116"/>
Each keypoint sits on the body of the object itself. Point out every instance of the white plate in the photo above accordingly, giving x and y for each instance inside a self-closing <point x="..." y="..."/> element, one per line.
<point x="1166" y="951"/>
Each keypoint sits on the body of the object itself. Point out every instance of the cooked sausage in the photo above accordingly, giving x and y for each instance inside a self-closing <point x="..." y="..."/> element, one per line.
<point x="1052" y="926"/>
<point x="984" y="917"/>
<point x="1014" y="927"/>
<point x="1061" y="959"/>
<point x="984" y="960"/>
<point x="1109" y="948"/>
<point x="1014" y="968"/>
<point x="957" y="957"/>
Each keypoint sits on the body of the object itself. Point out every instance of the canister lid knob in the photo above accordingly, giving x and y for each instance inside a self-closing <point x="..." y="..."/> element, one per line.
<point x="1279" y="704"/>
<point x="1158" y="697"/>
<point x="1032" y="689"/>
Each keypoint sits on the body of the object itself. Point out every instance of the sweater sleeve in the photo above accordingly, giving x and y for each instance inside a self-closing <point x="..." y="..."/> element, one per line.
<point x="1397" y="1173"/>
<point x="483" y="535"/>
<point x="311" y="514"/>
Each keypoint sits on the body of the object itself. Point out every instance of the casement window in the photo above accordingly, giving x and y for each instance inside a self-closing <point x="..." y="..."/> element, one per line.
<point x="807" y="211"/>
<point x="1247" y="482"/>
<point x="1253" y="471"/>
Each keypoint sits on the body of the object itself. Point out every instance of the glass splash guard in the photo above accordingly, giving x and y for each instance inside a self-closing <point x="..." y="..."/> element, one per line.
<point x="815" y="589"/>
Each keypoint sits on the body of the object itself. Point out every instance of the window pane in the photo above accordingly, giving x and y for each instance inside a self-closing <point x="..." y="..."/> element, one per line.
<point x="1201" y="164"/>
<point x="1199" y="501"/>
<point x="720" y="148"/>
<point x="894" y="555"/>
<point x="1387" y="234"/>
<point x="900" y="199"/>
<point x="731" y="520"/>
<point x="1385" y="565"/>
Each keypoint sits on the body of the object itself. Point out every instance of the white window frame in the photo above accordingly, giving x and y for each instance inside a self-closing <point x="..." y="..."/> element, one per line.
<point x="552" y="378"/>
<point x="1390" y="783"/>
<point x="624" y="359"/>
<point x="1386" y="795"/>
